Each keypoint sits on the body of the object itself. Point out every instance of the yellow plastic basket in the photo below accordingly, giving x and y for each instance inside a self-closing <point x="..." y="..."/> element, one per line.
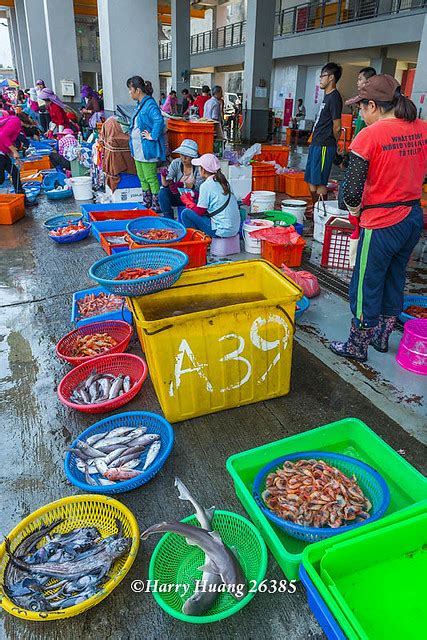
<point x="221" y="337"/>
<point x="78" y="511"/>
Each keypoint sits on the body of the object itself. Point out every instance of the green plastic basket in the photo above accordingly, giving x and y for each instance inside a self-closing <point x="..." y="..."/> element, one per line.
<point x="280" y="218"/>
<point x="350" y="437"/>
<point x="176" y="562"/>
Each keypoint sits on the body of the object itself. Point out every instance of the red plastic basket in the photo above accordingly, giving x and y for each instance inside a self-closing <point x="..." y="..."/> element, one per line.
<point x="336" y="245"/>
<point x="278" y="254"/>
<point x="195" y="244"/>
<point x="120" y="214"/>
<point x="117" y="329"/>
<point x="116" y="363"/>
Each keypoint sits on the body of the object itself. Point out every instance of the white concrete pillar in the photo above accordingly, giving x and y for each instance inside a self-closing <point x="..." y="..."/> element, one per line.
<point x="258" y="66"/>
<point x="181" y="66"/>
<point x="37" y="38"/>
<point x="419" y="89"/>
<point x="129" y="46"/>
<point x="62" y="46"/>
<point x="14" y="39"/>
<point x="26" y="79"/>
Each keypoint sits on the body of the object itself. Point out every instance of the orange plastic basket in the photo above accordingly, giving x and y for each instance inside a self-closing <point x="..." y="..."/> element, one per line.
<point x="278" y="254"/>
<point x="281" y="182"/>
<point x="37" y="165"/>
<point x="108" y="248"/>
<point x="195" y="244"/>
<point x="295" y="185"/>
<point x="277" y="152"/>
<point x="200" y="132"/>
<point x="31" y="175"/>
<point x="12" y="207"/>
<point x="263" y="177"/>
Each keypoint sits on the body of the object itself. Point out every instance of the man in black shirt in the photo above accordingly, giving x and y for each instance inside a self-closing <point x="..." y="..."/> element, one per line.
<point x="326" y="132"/>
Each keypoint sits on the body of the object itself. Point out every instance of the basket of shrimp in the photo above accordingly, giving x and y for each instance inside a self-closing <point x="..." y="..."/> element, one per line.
<point x="94" y="340"/>
<point x="73" y="232"/>
<point x="317" y="494"/>
<point x="155" y="230"/>
<point x="66" y="557"/>
<point x="139" y="272"/>
<point x="120" y="453"/>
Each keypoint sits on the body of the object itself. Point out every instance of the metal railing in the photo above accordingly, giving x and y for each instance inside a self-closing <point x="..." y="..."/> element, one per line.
<point x="89" y="54"/>
<point x="307" y="17"/>
<point x="201" y="42"/>
<point x="232" y="35"/>
<point x="165" y="50"/>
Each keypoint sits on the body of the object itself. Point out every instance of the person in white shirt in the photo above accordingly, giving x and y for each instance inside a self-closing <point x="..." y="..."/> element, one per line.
<point x="213" y="110"/>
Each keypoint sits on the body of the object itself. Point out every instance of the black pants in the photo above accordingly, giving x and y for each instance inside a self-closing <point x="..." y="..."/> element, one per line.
<point x="6" y="164"/>
<point x="44" y="118"/>
<point x="59" y="161"/>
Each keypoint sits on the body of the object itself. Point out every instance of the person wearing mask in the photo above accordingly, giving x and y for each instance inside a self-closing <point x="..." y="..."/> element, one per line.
<point x="68" y="150"/>
<point x="180" y="174"/>
<point x="213" y="110"/>
<point x="381" y="190"/>
<point x="91" y="103"/>
<point x="147" y="142"/>
<point x="170" y="105"/>
<point x="216" y="212"/>
<point x="10" y="129"/>
<point x="57" y="113"/>
<point x="300" y="114"/>
<point x="201" y="100"/>
<point x="326" y="133"/>
<point x="364" y="75"/>
<point x="187" y="101"/>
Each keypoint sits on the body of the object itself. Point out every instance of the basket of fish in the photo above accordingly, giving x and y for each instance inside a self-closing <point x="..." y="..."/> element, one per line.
<point x="73" y="232"/>
<point x="155" y="230"/>
<point x="66" y="557"/>
<point x="104" y="385"/>
<point x="119" y="453"/>
<point x="317" y="494"/>
<point x="94" y="340"/>
<point x="139" y="272"/>
<point x="219" y="556"/>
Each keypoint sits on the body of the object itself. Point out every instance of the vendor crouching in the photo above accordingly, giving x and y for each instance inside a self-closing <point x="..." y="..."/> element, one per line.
<point x="180" y="175"/>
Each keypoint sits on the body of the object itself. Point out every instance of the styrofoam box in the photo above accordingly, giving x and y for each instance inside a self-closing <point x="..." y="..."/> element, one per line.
<point x="125" y="195"/>
<point x="324" y="211"/>
<point x="240" y="179"/>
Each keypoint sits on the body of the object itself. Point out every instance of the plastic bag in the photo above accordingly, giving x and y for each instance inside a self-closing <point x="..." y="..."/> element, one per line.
<point x="306" y="280"/>
<point x="277" y="235"/>
<point x="254" y="150"/>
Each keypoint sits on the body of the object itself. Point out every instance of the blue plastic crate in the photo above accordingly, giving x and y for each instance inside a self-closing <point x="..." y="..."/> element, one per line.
<point x="108" y="225"/>
<point x="408" y="301"/>
<point x="319" y="608"/>
<point x="128" y="181"/>
<point x="127" y="206"/>
<point x="118" y="249"/>
<point x="120" y="314"/>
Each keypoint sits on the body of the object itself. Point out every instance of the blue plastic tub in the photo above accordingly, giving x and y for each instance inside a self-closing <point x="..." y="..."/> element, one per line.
<point x="106" y="270"/>
<point x="299" y="228"/>
<point x="127" y="206"/>
<point x="72" y="237"/>
<point x="128" y="181"/>
<point x="59" y="195"/>
<point x="320" y="610"/>
<point x="154" y="423"/>
<point x="149" y="222"/>
<point x="120" y="314"/>
<point x="104" y="226"/>
<point x="420" y="301"/>
<point x="50" y="180"/>
<point x="302" y="305"/>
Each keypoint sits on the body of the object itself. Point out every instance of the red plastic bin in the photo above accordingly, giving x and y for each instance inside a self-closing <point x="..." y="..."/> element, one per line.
<point x="119" y="330"/>
<point x="12" y="207"/>
<point x="195" y="244"/>
<point x="120" y="214"/>
<point x="263" y="177"/>
<point x="278" y="254"/>
<point x="108" y="248"/>
<point x="336" y="245"/>
<point x="295" y="185"/>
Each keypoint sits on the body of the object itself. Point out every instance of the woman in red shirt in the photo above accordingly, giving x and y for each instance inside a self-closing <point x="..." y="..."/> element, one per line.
<point x="382" y="189"/>
<point x="56" y="108"/>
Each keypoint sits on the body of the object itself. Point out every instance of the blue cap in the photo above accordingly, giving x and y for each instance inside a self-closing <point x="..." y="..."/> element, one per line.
<point x="188" y="148"/>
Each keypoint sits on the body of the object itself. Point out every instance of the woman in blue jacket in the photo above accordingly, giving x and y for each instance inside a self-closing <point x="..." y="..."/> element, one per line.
<point x="146" y="140"/>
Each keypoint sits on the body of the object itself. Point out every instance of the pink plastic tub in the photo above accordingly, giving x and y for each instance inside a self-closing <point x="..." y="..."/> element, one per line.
<point x="412" y="353"/>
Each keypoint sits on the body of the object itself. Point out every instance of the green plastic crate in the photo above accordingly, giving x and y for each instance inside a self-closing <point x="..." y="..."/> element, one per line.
<point x="350" y="437"/>
<point x="372" y="579"/>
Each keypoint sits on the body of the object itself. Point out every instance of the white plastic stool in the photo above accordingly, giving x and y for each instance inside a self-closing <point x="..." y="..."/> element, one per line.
<point x="225" y="246"/>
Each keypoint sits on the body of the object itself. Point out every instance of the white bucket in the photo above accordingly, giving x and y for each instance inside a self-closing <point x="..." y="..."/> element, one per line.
<point x="82" y="188"/>
<point x="252" y="245"/>
<point x="296" y="207"/>
<point x="262" y="201"/>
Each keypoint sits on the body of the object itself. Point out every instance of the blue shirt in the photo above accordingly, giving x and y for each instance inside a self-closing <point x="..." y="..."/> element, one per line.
<point x="211" y="197"/>
<point x="212" y="109"/>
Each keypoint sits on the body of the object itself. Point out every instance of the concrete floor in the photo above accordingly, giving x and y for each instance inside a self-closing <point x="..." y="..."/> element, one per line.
<point x="37" y="279"/>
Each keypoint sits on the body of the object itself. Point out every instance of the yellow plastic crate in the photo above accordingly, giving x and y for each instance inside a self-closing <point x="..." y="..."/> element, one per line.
<point x="221" y="337"/>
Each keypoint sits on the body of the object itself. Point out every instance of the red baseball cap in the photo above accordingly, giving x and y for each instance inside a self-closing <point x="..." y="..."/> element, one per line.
<point x="380" y="88"/>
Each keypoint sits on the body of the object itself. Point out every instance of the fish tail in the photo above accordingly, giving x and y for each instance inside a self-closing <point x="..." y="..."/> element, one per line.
<point x="183" y="492"/>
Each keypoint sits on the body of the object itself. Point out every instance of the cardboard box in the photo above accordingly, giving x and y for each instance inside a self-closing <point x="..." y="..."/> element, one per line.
<point x="133" y="194"/>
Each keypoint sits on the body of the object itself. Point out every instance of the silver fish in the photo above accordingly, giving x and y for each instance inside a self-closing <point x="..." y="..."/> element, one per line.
<point x="101" y="466"/>
<point x="120" y="431"/>
<point x="126" y="384"/>
<point x="115" y="387"/>
<point x="104" y="482"/>
<point x="95" y="438"/>
<point x="152" y="454"/>
<point x="128" y="457"/>
<point x="89" y="478"/>
<point x="97" y="561"/>
<point x="219" y="558"/>
<point x="105" y="385"/>
<point x="90" y="451"/>
<point x="85" y="396"/>
<point x="145" y="439"/>
<point x="94" y="390"/>
<point x="204" y="516"/>
<point x="117" y="453"/>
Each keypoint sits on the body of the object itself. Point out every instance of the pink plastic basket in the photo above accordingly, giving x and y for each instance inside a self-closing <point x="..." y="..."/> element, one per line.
<point x="412" y="353"/>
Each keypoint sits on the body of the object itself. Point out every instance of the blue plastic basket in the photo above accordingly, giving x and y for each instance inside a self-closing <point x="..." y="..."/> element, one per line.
<point x="72" y="237"/>
<point x="59" y="195"/>
<point x="302" y="305"/>
<point x="62" y="220"/>
<point x="106" y="270"/>
<point x="420" y="301"/>
<point x="51" y="179"/>
<point x="320" y="609"/>
<point x="127" y="206"/>
<point x="369" y="480"/>
<point x="149" y="222"/>
<point x="121" y="314"/>
<point x="154" y="424"/>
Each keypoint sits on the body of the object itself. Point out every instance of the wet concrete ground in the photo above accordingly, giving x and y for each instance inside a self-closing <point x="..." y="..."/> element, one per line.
<point x="37" y="279"/>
